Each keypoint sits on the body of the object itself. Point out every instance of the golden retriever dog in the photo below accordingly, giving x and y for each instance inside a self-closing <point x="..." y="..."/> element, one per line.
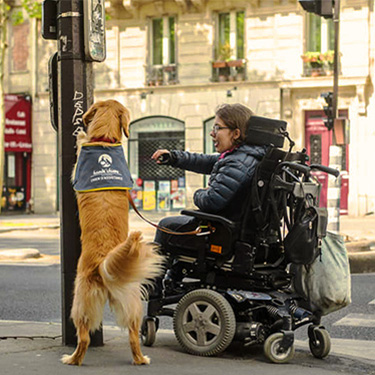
<point x="112" y="266"/>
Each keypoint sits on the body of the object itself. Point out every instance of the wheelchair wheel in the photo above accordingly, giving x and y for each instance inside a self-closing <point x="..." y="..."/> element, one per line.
<point x="273" y="350"/>
<point x="320" y="345"/>
<point x="204" y="323"/>
<point x="148" y="331"/>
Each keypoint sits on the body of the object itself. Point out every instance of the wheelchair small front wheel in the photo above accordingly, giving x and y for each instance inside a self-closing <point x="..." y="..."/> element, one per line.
<point x="274" y="351"/>
<point x="148" y="331"/>
<point x="204" y="323"/>
<point x="320" y="343"/>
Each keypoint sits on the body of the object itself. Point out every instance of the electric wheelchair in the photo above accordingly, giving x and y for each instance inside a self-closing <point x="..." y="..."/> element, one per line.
<point x="238" y="284"/>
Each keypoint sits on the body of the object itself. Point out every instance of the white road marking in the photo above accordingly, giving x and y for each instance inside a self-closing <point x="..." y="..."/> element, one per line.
<point x="357" y="320"/>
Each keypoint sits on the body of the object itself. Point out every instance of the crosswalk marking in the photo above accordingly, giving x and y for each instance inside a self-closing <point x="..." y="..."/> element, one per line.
<point x="357" y="320"/>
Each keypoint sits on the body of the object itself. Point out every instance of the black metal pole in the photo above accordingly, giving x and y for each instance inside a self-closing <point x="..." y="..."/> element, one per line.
<point x="335" y="152"/>
<point x="75" y="95"/>
<point x="336" y="24"/>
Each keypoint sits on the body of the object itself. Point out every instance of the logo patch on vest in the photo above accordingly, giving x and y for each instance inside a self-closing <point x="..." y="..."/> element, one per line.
<point x="102" y="168"/>
<point x="105" y="160"/>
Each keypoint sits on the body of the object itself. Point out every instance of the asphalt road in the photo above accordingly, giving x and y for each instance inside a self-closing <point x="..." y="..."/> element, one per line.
<point x="33" y="292"/>
<point x="47" y="241"/>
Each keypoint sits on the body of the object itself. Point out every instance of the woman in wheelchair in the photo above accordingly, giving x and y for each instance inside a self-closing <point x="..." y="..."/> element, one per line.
<point x="242" y="280"/>
<point x="231" y="171"/>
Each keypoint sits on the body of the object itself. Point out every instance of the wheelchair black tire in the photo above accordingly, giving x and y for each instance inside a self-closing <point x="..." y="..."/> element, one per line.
<point x="272" y="349"/>
<point x="148" y="332"/>
<point x="216" y="328"/>
<point x="321" y="346"/>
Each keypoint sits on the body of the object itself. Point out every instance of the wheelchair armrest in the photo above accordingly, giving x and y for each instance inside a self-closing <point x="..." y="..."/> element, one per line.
<point x="205" y="216"/>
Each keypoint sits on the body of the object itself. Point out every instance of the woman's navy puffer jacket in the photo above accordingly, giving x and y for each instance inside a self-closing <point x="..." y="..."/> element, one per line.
<point x="230" y="179"/>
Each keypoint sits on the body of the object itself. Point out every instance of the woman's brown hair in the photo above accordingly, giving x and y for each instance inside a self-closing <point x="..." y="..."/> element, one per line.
<point x="235" y="116"/>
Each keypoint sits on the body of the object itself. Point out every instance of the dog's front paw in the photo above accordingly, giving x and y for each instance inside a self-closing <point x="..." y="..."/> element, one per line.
<point x="70" y="360"/>
<point x="144" y="360"/>
<point x="81" y="135"/>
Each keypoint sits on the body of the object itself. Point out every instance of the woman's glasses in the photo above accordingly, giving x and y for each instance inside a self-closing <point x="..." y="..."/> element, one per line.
<point x="216" y="128"/>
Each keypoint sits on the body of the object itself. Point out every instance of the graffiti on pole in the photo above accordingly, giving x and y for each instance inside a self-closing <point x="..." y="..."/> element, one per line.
<point x="77" y="116"/>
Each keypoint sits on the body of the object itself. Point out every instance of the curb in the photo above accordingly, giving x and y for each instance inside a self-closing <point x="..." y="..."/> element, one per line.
<point x="358" y="246"/>
<point x="19" y="254"/>
<point x="361" y="256"/>
<point x="362" y="262"/>
<point x="29" y="227"/>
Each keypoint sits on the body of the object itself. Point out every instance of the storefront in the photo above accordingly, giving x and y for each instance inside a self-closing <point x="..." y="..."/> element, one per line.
<point x="18" y="147"/>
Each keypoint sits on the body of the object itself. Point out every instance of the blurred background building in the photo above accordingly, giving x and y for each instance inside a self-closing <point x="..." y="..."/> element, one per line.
<point x="172" y="62"/>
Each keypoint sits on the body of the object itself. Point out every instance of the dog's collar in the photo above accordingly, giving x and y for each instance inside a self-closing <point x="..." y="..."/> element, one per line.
<point x="103" y="139"/>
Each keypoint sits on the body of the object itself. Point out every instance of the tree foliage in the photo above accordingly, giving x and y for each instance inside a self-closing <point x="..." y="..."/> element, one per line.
<point x="32" y="8"/>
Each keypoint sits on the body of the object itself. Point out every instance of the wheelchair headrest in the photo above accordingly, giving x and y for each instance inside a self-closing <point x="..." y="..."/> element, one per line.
<point x="265" y="131"/>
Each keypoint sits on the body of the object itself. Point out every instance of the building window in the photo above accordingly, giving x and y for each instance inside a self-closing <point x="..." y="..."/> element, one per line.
<point x="229" y="63"/>
<point x="208" y="146"/>
<point x="318" y="60"/>
<point x="162" y="69"/>
<point x="157" y="187"/>
<point x="321" y="34"/>
<point x="20" y="47"/>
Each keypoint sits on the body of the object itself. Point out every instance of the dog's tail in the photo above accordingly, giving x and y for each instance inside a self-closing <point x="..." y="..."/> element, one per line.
<point x="131" y="261"/>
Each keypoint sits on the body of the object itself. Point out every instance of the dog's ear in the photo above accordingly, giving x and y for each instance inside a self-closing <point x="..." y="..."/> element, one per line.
<point x="124" y="121"/>
<point x="89" y="115"/>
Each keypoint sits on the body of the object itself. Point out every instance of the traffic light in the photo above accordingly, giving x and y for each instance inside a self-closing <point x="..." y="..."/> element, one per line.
<point x="328" y="109"/>
<point x="49" y="19"/>
<point x="323" y="8"/>
<point x="94" y="25"/>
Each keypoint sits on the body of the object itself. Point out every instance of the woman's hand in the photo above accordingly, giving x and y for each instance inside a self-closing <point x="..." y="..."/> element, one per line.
<point x="158" y="156"/>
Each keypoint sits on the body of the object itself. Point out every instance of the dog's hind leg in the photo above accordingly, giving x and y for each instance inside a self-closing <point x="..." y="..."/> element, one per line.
<point x="76" y="358"/>
<point x="138" y="357"/>
<point x="87" y="314"/>
<point x="127" y="306"/>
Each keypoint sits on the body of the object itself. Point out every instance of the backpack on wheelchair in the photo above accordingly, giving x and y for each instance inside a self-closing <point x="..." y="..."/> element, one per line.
<point x="238" y="284"/>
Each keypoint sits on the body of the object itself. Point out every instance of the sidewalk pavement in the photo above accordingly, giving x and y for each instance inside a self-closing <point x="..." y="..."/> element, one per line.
<point x="36" y="347"/>
<point x="359" y="234"/>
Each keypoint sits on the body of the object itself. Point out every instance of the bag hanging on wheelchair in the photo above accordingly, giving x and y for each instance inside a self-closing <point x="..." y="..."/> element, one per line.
<point x="303" y="242"/>
<point x="326" y="283"/>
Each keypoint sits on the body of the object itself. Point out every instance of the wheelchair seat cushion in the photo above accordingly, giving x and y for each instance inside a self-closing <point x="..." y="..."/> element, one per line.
<point x="219" y="244"/>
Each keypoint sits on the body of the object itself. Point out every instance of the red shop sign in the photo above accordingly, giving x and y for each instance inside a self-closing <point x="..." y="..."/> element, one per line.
<point x="17" y="123"/>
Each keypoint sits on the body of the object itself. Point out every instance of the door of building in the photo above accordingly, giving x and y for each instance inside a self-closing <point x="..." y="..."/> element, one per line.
<point x="16" y="189"/>
<point x="317" y="142"/>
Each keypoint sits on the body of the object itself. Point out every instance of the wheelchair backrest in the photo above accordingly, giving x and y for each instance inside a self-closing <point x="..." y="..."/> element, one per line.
<point x="283" y="200"/>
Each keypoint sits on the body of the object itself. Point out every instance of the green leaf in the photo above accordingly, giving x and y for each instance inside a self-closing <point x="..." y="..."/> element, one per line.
<point x="33" y="8"/>
<point x="17" y="18"/>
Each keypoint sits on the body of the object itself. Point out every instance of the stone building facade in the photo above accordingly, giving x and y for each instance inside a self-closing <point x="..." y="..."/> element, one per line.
<point x="172" y="62"/>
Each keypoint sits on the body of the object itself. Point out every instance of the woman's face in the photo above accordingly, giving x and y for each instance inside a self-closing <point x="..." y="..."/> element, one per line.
<point x="223" y="137"/>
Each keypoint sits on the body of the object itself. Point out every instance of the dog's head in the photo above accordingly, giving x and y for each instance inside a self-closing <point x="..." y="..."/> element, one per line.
<point x="105" y="119"/>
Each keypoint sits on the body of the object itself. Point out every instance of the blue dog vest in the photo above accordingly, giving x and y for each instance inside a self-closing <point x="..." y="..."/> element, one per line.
<point x="102" y="168"/>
